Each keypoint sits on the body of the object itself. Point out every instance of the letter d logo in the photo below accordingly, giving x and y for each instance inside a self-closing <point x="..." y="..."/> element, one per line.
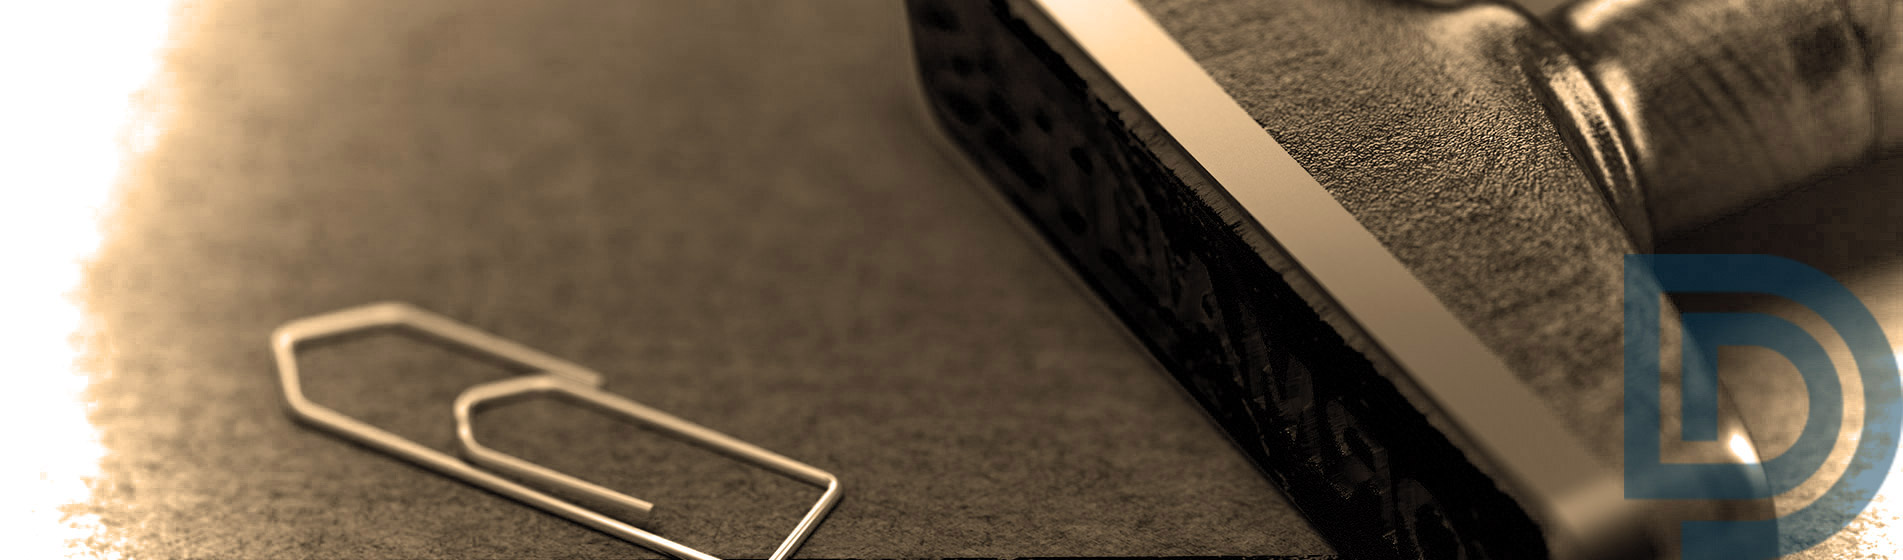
<point x="1647" y="476"/>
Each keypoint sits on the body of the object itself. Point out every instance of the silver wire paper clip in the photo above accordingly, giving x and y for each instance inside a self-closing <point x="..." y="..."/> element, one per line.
<point x="549" y="375"/>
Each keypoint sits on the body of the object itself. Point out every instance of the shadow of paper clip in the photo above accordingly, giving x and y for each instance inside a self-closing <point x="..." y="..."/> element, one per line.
<point x="551" y="375"/>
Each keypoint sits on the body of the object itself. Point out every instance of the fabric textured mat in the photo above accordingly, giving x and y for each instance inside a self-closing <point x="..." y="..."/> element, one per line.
<point x="736" y="213"/>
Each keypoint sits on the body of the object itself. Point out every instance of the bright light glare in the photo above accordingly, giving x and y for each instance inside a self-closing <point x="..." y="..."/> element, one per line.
<point x="1880" y="529"/>
<point x="1596" y="15"/>
<point x="65" y="113"/>
<point x="1742" y="449"/>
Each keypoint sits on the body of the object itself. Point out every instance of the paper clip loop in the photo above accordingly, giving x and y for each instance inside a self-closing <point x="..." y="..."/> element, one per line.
<point x="551" y="375"/>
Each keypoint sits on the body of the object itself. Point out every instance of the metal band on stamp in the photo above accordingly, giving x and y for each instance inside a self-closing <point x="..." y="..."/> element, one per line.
<point x="1516" y="436"/>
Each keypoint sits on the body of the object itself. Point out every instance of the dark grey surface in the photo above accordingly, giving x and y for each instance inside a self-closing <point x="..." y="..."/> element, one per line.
<point x="734" y="212"/>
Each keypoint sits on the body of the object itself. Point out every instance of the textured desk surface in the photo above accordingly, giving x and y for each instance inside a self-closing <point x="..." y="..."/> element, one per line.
<point x="735" y="213"/>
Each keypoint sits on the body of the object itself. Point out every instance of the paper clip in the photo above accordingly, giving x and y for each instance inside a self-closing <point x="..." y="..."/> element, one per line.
<point x="549" y="375"/>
